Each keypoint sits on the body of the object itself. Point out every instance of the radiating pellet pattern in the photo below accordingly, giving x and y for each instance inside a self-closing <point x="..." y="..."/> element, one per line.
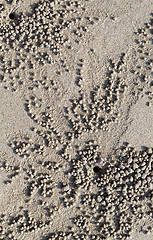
<point x="33" y="40"/>
<point x="142" y="71"/>
<point x="100" y="110"/>
<point x="124" y="190"/>
<point x="68" y="179"/>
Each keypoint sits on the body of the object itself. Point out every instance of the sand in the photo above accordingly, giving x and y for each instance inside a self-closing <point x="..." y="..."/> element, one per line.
<point x="76" y="117"/>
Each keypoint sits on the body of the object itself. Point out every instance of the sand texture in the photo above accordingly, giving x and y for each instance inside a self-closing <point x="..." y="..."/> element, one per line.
<point x="76" y="120"/>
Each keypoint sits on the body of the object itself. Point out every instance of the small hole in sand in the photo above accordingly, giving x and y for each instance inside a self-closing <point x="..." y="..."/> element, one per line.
<point x="11" y="16"/>
<point x="96" y="169"/>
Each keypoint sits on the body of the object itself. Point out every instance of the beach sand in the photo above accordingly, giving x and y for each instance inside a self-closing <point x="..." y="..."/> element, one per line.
<point x="76" y="120"/>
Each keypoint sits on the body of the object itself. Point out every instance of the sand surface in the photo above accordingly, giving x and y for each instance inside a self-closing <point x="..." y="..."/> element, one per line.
<point x="76" y="119"/>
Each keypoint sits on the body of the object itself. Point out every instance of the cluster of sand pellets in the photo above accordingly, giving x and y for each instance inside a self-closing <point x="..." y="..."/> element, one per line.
<point x="143" y="69"/>
<point x="70" y="189"/>
<point x="102" y="107"/>
<point x="111" y="196"/>
<point x="37" y="37"/>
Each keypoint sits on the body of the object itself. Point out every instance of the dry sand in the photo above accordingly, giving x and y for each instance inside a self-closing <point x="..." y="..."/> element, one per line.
<point x="76" y="119"/>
